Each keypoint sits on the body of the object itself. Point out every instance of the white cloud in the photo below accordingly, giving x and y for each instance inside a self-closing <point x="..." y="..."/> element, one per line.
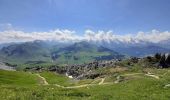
<point x="20" y="36"/>
<point x="71" y="36"/>
<point x="153" y="36"/>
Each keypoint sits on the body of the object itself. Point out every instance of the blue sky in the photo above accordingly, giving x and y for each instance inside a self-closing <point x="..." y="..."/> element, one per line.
<point x="120" y="16"/>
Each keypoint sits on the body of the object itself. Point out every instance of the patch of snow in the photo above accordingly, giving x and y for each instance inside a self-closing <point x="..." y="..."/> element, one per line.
<point x="69" y="76"/>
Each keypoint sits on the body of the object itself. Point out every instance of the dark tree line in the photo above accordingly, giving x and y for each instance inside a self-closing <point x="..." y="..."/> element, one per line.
<point x="163" y="59"/>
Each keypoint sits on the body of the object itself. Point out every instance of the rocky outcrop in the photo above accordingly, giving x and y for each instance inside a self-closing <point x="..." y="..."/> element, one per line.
<point x="78" y="71"/>
<point x="5" y="66"/>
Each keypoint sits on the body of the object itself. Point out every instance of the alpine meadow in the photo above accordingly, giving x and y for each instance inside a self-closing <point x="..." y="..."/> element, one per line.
<point x="84" y="50"/>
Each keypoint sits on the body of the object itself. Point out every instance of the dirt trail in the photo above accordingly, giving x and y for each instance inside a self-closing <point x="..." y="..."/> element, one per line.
<point x="102" y="81"/>
<point x="42" y="79"/>
<point x="71" y="87"/>
<point x="152" y="75"/>
<point x="80" y="86"/>
<point x="148" y="74"/>
<point x="132" y="74"/>
<point x="68" y="87"/>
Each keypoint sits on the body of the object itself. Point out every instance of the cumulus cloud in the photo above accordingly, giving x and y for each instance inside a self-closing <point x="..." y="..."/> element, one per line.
<point x="20" y="36"/>
<point x="153" y="36"/>
<point x="71" y="36"/>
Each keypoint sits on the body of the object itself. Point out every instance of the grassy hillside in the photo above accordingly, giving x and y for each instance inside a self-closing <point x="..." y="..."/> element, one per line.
<point x="54" y="78"/>
<point x="16" y="78"/>
<point x="129" y="86"/>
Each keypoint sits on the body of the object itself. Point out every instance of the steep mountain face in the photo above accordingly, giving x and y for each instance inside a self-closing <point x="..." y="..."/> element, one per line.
<point x="83" y="52"/>
<point x="29" y="51"/>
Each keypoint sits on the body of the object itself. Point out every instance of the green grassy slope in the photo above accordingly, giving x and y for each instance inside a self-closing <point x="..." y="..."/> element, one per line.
<point x="54" y="78"/>
<point x="24" y="86"/>
<point x="17" y="78"/>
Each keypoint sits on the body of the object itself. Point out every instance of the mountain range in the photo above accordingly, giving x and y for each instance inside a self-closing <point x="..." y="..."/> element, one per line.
<point x="60" y="53"/>
<point x="76" y="52"/>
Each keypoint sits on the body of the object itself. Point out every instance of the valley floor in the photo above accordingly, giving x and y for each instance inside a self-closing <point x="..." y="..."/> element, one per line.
<point x="150" y="84"/>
